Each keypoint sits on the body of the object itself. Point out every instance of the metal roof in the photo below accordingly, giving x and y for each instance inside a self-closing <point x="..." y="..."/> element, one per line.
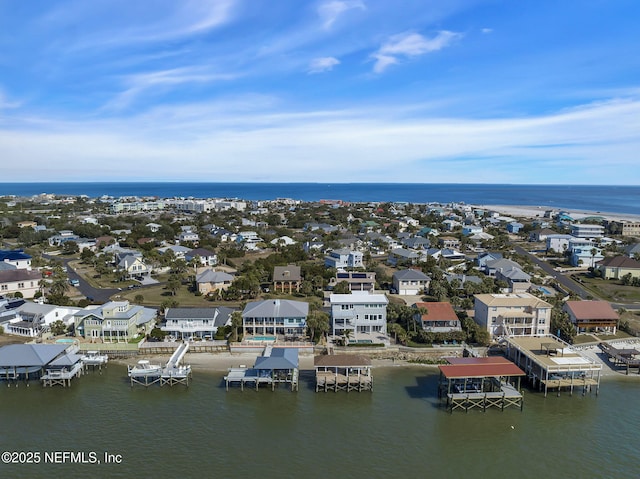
<point x="279" y="358"/>
<point x="276" y="308"/>
<point x="20" y="355"/>
<point x="480" y="370"/>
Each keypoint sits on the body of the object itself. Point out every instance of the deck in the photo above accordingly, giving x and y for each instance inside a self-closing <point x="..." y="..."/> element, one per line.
<point x="62" y="377"/>
<point x="552" y="363"/>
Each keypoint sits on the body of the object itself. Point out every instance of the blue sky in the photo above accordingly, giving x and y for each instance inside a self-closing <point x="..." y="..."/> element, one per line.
<point x="324" y="91"/>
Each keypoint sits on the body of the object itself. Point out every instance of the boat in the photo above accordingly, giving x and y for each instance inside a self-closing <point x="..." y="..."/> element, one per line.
<point x="145" y="368"/>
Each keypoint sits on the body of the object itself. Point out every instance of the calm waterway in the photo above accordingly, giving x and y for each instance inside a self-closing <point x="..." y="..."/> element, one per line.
<point x="399" y="430"/>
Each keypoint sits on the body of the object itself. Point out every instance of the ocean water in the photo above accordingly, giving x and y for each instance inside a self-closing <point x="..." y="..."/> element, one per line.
<point x="397" y="431"/>
<point x="610" y="199"/>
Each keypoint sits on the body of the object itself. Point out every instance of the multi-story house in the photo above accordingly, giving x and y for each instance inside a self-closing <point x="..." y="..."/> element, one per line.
<point x="287" y="279"/>
<point x="344" y="258"/>
<point x="587" y="231"/>
<point x="592" y="316"/>
<point x="190" y="323"/>
<point x="115" y="321"/>
<point x="209" y="281"/>
<point x="275" y="317"/>
<point x="21" y="281"/>
<point x="410" y="282"/>
<point x="360" y="312"/>
<point x="513" y="314"/>
<point x="617" y="267"/>
<point x="357" y="280"/>
<point x="16" y="258"/>
<point x="439" y="318"/>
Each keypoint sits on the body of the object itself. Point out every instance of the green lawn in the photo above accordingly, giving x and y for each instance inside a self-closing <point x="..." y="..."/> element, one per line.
<point x="610" y="290"/>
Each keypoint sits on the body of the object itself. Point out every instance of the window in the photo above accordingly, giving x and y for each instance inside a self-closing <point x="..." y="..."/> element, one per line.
<point x="541" y="320"/>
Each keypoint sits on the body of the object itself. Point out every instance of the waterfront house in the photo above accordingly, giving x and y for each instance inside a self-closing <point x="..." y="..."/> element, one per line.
<point x="190" y="323"/>
<point x="410" y="282"/>
<point x="209" y="281"/>
<point x="275" y="317"/>
<point x="512" y="314"/>
<point x="363" y="314"/>
<point x="115" y="321"/>
<point x="592" y="316"/>
<point x="439" y="318"/>
<point x="617" y="267"/>
<point x="287" y="279"/>
<point x="26" y="318"/>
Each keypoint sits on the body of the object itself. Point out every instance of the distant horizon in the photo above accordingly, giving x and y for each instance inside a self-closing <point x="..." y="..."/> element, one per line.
<point x="313" y="183"/>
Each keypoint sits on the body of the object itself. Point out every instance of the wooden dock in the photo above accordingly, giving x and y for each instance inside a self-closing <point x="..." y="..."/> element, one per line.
<point x="276" y="366"/>
<point x="629" y="358"/>
<point x="468" y="383"/>
<point x="343" y="372"/>
<point x="63" y="376"/>
<point x="551" y="363"/>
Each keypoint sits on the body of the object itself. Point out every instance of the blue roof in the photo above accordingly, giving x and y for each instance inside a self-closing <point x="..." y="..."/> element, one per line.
<point x="13" y="255"/>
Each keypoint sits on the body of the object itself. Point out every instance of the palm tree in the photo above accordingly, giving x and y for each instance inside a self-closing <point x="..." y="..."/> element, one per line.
<point x="346" y="334"/>
<point x="236" y="323"/>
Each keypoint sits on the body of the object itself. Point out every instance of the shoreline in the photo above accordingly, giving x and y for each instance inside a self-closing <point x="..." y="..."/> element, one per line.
<point x="220" y="362"/>
<point x="528" y="211"/>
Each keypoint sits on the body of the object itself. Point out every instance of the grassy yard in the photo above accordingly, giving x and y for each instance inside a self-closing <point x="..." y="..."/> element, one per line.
<point x="610" y="290"/>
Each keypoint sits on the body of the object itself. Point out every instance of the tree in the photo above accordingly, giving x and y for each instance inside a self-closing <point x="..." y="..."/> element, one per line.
<point x="58" y="328"/>
<point x="561" y="325"/>
<point x="236" y="323"/>
<point x="396" y="330"/>
<point x="174" y="283"/>
<point x="70" y="247"/>
<point x="317" y="324"/>
<point x="139" y="299"/>
<point x="341" y="288"/>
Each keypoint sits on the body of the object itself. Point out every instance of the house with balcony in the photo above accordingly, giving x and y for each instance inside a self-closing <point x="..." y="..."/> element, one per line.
<point x="592" y="316"/>
<point x="512" y="314"/>
<point x="469" y="230"/>
<point x="584" y="254"/>
<point x="114" y="322"/>
<point x="192" y="323"/>
<point x="587" y="231"/>
<point x="558" y="242"/>
<point x="362" y="314"/>
<point x="249" y="240"/>
<point x="275" y="317"/>
<point x="449" y="242"/>
<point x="133" y="266"/>
<point x="410" y="282"/>
<point x="357" y="280"/>
<point x="439" y="318"/>
<point x="287" y="279"/>
<point x="344" y="258"/>
<point x="30" y="319"/>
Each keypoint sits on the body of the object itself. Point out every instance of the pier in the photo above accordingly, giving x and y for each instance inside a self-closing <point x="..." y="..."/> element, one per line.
<point x="146" y="374"/>
<point x="62" y="376"/>
<point x="275" y="366"/>
<point x="629" y="358"/>
<point x="550" y="363"/>
<point x="343" y="372"/>
<point x="95" y="360"/>
<point x="468" y="383"/>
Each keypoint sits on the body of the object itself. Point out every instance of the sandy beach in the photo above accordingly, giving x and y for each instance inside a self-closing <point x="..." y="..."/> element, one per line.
<point x="525" y="211"/>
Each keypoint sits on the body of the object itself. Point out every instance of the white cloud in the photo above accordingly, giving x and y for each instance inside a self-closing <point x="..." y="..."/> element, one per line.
<point x="487" y="30"/>
<point x="240" y="142"/>
<point x="323" y="64"/>
<point x="330" y="11"/>
<point x="410" y="45"/>
<point x="165" y="79"/>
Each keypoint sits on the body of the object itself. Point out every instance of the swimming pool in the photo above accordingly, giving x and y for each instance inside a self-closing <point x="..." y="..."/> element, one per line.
<point x="545" y="291"/>
<point x="263" y="338"/>
<point x="65" y="340"/>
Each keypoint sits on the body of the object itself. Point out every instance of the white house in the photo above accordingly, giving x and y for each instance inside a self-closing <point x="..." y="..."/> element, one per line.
<point x="513" y="314"/>
<point x="410" y="282"/>
<point x="362" y="313"/>
<point x="189" y="323"/>
<point x="344" y="258"/>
